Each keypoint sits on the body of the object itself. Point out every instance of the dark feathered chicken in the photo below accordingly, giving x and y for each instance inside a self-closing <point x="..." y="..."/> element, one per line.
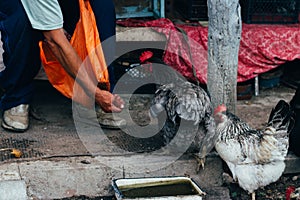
<point x="184" y="110"/>
<point x="254" y="157"/>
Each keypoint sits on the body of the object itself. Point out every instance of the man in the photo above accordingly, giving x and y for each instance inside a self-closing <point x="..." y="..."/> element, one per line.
<point x="22" y="25"/>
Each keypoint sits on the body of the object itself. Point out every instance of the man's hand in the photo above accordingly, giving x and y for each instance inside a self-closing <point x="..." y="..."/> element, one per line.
<point x="109" y="102"/>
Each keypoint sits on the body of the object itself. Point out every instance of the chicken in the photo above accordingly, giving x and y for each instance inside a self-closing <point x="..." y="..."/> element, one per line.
<point x="254" y="157"/>
<point x="183" y="110"/>
<point x="293" y="193"/>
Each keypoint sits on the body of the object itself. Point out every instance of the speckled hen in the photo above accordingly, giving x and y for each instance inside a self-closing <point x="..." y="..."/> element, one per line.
<point x="186" y="108"/>
<point x="254" y="157"/>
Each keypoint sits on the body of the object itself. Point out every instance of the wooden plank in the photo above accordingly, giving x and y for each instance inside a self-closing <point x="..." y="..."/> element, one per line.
<point x="138" y="34"/>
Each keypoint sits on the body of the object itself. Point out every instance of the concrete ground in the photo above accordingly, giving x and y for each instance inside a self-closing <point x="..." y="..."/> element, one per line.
<point x="58" y="162"/>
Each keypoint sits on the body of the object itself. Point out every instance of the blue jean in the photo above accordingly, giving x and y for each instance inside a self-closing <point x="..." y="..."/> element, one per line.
<point x="21" y="51"/>
<point x="21" y="54"/>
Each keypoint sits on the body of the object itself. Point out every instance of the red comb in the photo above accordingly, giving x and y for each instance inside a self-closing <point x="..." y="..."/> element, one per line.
<point x="220" y="108"/>
<point x="145" y="56"/>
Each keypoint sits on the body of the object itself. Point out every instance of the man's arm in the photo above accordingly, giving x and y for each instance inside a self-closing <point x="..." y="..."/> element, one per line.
<point x="71" y="62"/>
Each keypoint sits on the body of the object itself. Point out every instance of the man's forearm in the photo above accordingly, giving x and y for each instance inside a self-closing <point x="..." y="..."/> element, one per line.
<point x="69" y="59"/>
<point x="71" y="62"/>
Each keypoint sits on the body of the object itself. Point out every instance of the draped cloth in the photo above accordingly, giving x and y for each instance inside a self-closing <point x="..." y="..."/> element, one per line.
<point x="263" y="47"/>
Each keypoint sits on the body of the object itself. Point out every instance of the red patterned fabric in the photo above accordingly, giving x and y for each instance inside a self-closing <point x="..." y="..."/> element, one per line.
<point x="262" y="48"/>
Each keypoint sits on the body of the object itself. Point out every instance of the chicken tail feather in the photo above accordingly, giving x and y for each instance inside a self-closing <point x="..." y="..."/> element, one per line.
<point x="281" y="117"/>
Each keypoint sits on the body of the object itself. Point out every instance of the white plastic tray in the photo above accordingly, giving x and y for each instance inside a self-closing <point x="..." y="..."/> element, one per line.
<point x="122" y="185"/>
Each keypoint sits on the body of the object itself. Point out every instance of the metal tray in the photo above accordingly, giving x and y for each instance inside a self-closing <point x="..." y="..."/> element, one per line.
<point x="157" y="188"/>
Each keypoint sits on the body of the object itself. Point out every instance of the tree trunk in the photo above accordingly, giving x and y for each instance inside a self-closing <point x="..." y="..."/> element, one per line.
<point x="224" y="34"/>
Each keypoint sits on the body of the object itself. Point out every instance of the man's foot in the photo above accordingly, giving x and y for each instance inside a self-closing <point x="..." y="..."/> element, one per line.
<point x="110" y="120"/>
<point x="16" y="118"/>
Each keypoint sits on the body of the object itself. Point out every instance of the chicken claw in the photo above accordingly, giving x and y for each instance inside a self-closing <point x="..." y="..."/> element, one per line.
<point x="201" y="162"/>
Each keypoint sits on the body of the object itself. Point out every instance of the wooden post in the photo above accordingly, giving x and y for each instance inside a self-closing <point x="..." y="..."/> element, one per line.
<point x="224" y="34"/>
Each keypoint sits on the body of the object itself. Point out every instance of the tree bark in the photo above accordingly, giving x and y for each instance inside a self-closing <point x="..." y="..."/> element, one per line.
<point x="224" y="34"/>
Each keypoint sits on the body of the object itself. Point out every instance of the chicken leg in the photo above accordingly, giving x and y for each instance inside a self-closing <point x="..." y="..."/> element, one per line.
<point x="253" y="195"/>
